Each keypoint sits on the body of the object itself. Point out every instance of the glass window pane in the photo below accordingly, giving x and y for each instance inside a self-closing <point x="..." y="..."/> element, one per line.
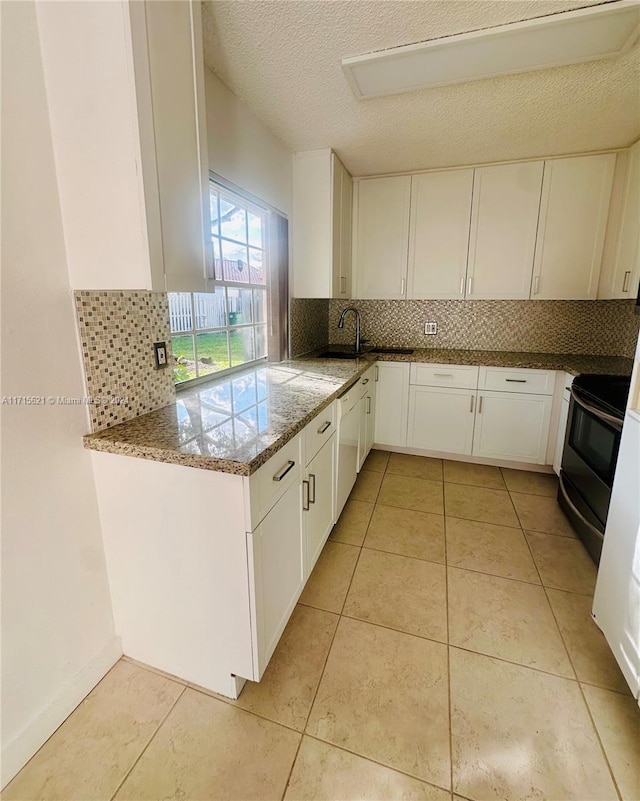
<point x="242" y="347"/>
<point x="184" y="365"/>
<point x="255" y="229"/>
<point x="256" y="265"/>
<point x="234" y="262"/>
<point x="213" y="352"/>
<point x="209" y="309"/>
<point x="180" y="317"/>
<point x="259" y="305"/>
<point x="261" y="341"/>
<point x="213" y="205"/>
<point x="233" y="220"/>
<point x="217" y="259"/>
<point x="239" y="302"/>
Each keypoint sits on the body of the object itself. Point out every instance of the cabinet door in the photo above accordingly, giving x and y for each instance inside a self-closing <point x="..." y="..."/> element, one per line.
<point x="439" y="233"/>
<point x="319" y="517"/>
<point x="623" y="281"/>
<point x="342" y="243"/>
<point x="392" y="398"/>
<point x="441" y="419"/>
<point x="504" y="218"/>
<point x="370" y="416"/>
<point x="382" y="237"/>
<point x="512" y="426"/>
<point x="573" y="218"/>
<point x="276" y="573"/>
<point x="179" y="134"/>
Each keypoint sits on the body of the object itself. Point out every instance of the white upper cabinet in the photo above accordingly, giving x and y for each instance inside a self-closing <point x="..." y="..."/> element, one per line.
<point x="169" y="75"/>
<point x="439" y="233"/>
<point x="621" y="275"/>
<point x="322" y="209"/>
<point x="573" y="218"/>
<point x="382" y="237"/>
<point x="502" y="240"/>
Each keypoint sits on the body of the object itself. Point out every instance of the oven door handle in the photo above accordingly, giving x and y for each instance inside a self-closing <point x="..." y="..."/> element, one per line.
<point x="575" y="509"/>
<point x="608" y="418"/>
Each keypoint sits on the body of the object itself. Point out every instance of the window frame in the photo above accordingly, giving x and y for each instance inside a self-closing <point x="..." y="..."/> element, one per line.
<point x="213" y="284"/>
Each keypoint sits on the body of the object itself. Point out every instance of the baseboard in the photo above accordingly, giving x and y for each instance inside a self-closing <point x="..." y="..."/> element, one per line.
<point x="455" y="457"/>
<point x="17" y="752"/>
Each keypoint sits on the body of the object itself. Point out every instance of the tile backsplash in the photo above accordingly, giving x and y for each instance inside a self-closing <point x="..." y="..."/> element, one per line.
<point x="594" y="327"/>
<point x="308" y="324"/>
<point x="117" y="331"/>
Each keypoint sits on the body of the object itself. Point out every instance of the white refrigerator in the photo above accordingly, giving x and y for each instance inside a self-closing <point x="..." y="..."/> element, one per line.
<point x="616" y="603"/>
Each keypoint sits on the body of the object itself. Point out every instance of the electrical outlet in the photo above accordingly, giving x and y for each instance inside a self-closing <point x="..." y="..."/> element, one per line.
<point x="160" y="354"/>
<point x="431" y="328"/>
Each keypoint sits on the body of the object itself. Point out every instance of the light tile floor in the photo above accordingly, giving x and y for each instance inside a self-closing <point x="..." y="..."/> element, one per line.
<point x="442" y="649"/>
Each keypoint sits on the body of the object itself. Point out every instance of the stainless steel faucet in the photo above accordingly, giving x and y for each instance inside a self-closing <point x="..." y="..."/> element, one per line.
<point x="341" y="325"/>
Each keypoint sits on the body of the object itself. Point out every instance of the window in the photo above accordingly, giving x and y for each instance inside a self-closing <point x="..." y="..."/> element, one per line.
<point x="226" y="327"/>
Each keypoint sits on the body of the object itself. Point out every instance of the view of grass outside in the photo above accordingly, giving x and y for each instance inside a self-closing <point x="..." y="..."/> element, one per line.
<point x="213" y="354"/>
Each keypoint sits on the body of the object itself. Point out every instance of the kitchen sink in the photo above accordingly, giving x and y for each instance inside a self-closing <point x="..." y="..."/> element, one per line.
<point x="404" y="351"/>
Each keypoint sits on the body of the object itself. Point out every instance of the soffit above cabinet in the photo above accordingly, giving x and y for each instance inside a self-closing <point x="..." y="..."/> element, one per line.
<point x="284" y="61"/>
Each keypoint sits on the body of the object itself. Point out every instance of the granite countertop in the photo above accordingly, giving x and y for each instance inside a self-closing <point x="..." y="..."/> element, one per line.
<point x="235" y="424"/>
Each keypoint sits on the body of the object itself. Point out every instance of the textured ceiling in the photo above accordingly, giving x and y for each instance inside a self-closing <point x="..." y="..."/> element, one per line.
<point x="283" y="58"/>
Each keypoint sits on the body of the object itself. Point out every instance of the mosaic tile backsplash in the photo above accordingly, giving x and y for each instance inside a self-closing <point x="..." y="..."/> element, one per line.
<point x="599" y="328"/>
<point x="117" y="331"/>
<point x="309" y="323"/>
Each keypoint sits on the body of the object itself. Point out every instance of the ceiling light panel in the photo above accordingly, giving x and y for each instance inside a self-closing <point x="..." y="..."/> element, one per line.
<point x="567" y="38"/>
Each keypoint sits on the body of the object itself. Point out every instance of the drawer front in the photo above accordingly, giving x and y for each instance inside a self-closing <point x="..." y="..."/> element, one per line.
<point x="366" y="380"/>
<point x="319" y="431"/>
<point x="506" y="379"/>
<point x="444" y="375"/>
<point x="273" y="479"/>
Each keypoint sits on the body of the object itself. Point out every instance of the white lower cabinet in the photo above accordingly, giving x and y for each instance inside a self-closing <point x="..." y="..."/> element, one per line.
<point x="276" y="572"/>
<point x="512" y="426"/>
<point x="318" y="502"/>
<point x="441" y="419"/>
<point x="392" y="398"/>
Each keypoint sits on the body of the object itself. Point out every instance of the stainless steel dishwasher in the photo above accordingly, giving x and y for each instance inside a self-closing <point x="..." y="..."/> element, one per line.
<point x="348" y="434"/>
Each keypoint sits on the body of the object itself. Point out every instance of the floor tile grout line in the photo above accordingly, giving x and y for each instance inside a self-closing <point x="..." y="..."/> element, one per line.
<point x="149" y="741"/>
<point x="376" y="762"/>
<point x="446" y="598"/>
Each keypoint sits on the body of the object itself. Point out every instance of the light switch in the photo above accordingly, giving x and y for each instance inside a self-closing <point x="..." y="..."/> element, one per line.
<point x="431" y="328"/>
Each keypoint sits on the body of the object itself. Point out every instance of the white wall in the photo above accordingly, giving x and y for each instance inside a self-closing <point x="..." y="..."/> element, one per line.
<point x="57" y="628"/>
<point x="243" y="150"/>
<point x="88" y="67"/>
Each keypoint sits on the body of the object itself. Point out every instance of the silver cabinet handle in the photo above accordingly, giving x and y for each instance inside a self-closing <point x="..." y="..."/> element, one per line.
<point x="324" y="427"/>
<point x="305" y="496"/>
<point x="471" y="405"/>
<point x="368" y="404"/>
<point x="469" y="283"/>
<point x="284" y="470"/>
<point x="625" y="282"/>
<point x="480" y="405"/>
<point x="516" y="380"/>
<point x="365" y="381"/>
<point x="377" y="373"/>
<point x="343" y="284"/>
<point x="312" y="490"/>
<point x="462" y="285"/>
<point x="443" y="375"/>
<point x="536" y="284"/>
<point x="402" y="283"/>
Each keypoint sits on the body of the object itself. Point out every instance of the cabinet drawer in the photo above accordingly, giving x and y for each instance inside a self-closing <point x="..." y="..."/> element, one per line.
<point x="444" y="375"/>
<point x="366" y="380"/>
<point x="274" y="478"/>
<point x="506" y="379"/>
<point x="319" y="431"/>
